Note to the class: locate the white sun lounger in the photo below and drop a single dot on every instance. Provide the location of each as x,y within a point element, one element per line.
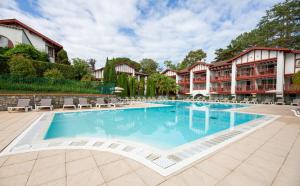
<point>267,101</point>
<point>279,102</point>
<point>245,100</point>
<point>253,101</point>
<point>68,102</point>
<point>295,102</point>
<point>45,103</point>
<point>83,103</point>
<point>22,104</point>
<point>100,102</point>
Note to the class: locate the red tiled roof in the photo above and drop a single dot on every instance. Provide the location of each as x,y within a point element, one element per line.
<point>24,26</point>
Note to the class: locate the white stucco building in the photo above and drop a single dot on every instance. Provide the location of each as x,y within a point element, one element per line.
<point>13,32</point>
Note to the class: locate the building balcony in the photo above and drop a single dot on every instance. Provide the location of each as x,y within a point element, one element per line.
<point>199,80</point>
<point>292,89</point>
<point>199,88</point>
<point>184,91</point>
<point>184,81</point>
<point>251,89</point>
<point>220,78</point>
<point>264,73</point>
<point>220,90</point>
<point>245,89</point>
<point>244,75</point>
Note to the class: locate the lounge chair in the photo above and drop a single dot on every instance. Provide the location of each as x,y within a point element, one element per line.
<point>296,112</point>
<point>100,102</point>
<point>115,102</point>
<point>22,104</point>
<point>295,102</point>
<point>224,100</point>
<point>253,101</point>
<point>45,103</point>
<point>233,100</point>
<point>267,101</point>
<point>83,103</point>
<point>245,100</point>
<point>279,102</point>
<point>68,102</point>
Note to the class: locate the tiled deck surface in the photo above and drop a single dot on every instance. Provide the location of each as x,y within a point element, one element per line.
<point>269,156</point>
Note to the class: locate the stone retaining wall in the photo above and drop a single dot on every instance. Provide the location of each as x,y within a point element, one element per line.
<point>8,100</point>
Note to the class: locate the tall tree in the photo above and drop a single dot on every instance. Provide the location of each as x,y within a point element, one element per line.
<point>191,58</point>
<point>81,68</point>
<point>112,78</point>
<point>92,63</point>
<point>149,66</point>
<point>278,28</point>
<point>62,57</point>
<point>169,64</point>
<point>106,71</point>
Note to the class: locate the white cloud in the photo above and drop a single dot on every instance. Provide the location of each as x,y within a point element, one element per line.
<point>93,29</point>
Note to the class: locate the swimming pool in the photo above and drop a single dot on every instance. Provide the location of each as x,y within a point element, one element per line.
<point>165,127</point>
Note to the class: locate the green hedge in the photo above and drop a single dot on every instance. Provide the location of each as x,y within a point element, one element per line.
<point>35,84</point>
<point>68,71</point>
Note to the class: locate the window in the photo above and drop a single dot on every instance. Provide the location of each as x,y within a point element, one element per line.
<point>50,51</point>
<point>297,62</point>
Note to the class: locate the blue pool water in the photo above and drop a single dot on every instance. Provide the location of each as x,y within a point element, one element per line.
<point>161,127</point>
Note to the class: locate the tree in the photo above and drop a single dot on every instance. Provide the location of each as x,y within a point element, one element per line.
<point>62,57</point>
<point>168,64</point>
<point>148,66</point>
<point>106,71</point>
<point>27,51</point>
<point>112,78</point>
<point>53,74</point>
<point>191,58</point>
<point>21,66</point>
<point>278,28</point>
<point>81,68</point>
<point>92,63</point>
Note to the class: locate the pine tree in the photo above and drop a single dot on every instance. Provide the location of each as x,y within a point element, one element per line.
<point>106,72</point>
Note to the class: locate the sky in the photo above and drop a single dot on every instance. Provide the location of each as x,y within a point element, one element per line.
<point>157,29</point>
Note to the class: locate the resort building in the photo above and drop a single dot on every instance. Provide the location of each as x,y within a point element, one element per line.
<point>258,71</point>
<point>123,67</point>
<point>13,32</point>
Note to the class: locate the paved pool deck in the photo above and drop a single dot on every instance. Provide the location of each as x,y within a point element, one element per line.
<point>268,156</point>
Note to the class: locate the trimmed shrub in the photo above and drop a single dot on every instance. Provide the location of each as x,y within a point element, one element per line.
<point>21,66</point>
<point>53,74</point>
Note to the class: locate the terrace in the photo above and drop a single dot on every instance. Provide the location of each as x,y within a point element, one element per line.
<point>269,155</point>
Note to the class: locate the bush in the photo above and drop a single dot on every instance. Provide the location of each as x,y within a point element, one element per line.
<point>4,67</point>
<point>81,68</point>
<point>21,66</point>
<point>62,57</point>
<point>296,78</point>
<point>53,74</point>
<point>67,70</point>
<point>27,51</point>
<point>88,77</point>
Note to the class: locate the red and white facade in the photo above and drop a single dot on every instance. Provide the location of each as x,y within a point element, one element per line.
<point>258,71</point>
<point>121,68</point>
<point>13,32</point>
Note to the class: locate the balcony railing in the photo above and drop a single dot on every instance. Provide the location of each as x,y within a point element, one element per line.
<point>266,72</point>
<point>221,78</point>
<point>247,89</point>
<point>290,88</point>
<point>224,90</point>
<point>184,81</point>
<point>244,74</point>
<point>199,88</point>
<point>263,88</point>
<point>184,91</point>
<point>199,80</point>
